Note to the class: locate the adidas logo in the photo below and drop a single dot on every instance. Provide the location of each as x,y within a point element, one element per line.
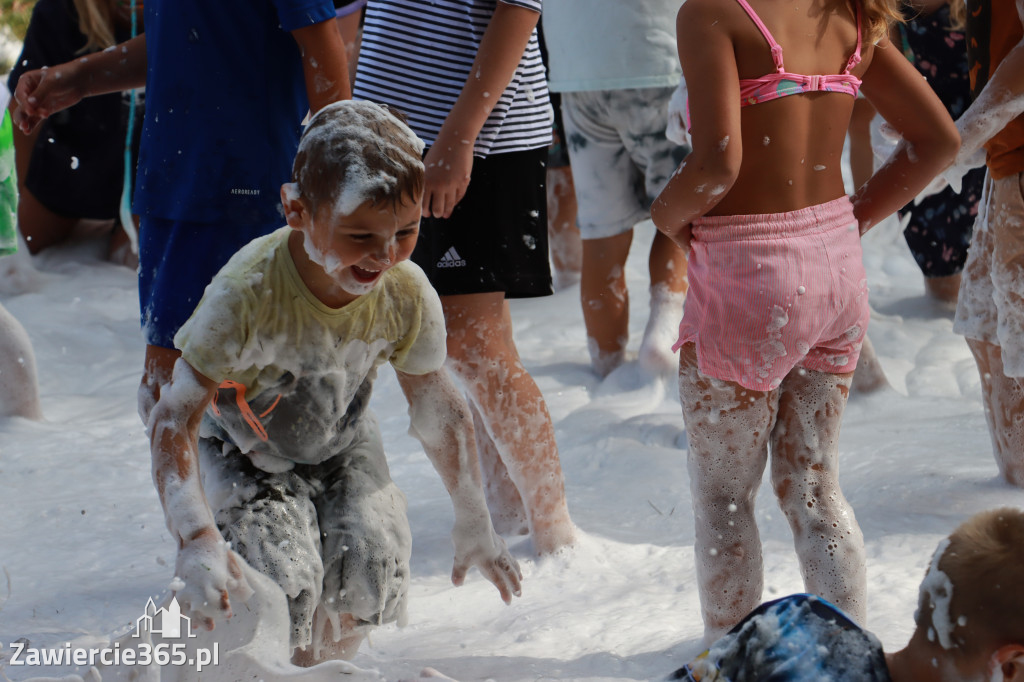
<point>451,259</point>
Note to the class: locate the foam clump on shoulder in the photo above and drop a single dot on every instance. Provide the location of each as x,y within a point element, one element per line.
<point>362,152</point>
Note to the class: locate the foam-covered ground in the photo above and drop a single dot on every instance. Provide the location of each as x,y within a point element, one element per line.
<point>83,543</point>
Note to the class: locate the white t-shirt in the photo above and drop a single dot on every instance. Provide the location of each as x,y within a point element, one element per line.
<point>416,56</point>
<point>611,44</point>
<point>306,369</point>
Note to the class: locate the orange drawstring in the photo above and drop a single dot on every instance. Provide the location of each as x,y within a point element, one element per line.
<point>247,414</point>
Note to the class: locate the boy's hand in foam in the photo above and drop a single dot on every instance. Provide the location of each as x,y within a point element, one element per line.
<point>483,548</point>
<point>208,575</point>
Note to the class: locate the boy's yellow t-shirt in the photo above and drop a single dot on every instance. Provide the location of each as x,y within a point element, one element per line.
<point>306,370</point>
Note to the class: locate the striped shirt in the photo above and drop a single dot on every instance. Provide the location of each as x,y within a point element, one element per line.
<point>417,55</point>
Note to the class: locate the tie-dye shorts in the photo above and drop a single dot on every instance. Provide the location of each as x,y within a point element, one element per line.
<point>621,159</point>
<point>990,307</point>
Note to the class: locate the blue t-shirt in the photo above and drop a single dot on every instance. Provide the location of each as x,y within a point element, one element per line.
<point>225,98</point>
<point>801,638</point>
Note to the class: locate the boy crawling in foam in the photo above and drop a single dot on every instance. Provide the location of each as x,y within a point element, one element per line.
<point>263,443</point>
<point>970,624</point>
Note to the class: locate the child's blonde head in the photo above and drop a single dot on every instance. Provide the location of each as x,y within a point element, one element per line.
<point>96,22</point>
<point>353,152</point>
<point>972,598</point>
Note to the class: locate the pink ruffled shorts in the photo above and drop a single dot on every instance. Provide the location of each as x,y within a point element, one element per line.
<point>775,291</point>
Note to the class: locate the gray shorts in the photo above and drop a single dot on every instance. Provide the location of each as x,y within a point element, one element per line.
<point>335,536</point>
<point>991,302</point>
<point>621,159</point>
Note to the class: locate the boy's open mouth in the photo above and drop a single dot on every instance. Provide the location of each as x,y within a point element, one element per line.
<point>366,276</point>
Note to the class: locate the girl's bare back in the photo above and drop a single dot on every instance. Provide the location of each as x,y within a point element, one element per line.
<point>790,148</point>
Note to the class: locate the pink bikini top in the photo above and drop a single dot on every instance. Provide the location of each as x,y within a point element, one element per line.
<point>781,83</point>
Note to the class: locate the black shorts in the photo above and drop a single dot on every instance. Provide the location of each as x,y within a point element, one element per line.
<point>77,165</point>
<point>497,236</point>
<point>939,228</point>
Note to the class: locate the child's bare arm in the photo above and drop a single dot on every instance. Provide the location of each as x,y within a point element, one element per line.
<point>930,139</point>
<point>450,159</point>
<point>441,421</point>
<point>324,64</point>
<point>709,171</point>
<point>43,92</point>
<point>205,571</point>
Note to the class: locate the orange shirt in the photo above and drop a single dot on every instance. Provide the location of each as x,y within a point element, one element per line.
<point>993,29</point>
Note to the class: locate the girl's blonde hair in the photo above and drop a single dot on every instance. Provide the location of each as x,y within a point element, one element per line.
<point>96,22</point>
<point>879,16</point>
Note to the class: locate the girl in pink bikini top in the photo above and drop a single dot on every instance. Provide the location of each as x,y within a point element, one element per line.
<point>782,83</point>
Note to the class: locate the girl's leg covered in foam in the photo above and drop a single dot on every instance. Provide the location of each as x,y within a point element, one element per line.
<point>805,475</point>
<point>727,427</point>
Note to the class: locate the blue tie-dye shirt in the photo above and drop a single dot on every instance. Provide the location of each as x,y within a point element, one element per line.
<point>801,638</point>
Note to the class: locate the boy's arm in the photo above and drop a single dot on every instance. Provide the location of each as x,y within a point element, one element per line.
<point>441,421</point>
<point>450,159</point>
<point>43,92</point>
<point>324,63</point>
<point>206,571</point>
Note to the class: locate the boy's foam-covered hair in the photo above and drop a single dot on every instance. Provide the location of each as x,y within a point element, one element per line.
<point>972,597</point>
<point>353,152</point>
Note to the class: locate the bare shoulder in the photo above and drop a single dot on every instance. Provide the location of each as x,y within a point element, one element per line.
<point>698,17</point>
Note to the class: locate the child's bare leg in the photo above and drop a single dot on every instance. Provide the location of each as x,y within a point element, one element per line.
<point>605,300</point>
<point>483,355</point>
<point>119,247</point>
<point>40,226</point>
<point>341,645</point>
<point>563,235</point>
<point>869,375</point>
<point>727,427</point>
<point>944,289</point>
<point>1003,398</point>
<point>667,264</point>
<point>157,369</point>
<point>503,500</point>
<point>805,475</point>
